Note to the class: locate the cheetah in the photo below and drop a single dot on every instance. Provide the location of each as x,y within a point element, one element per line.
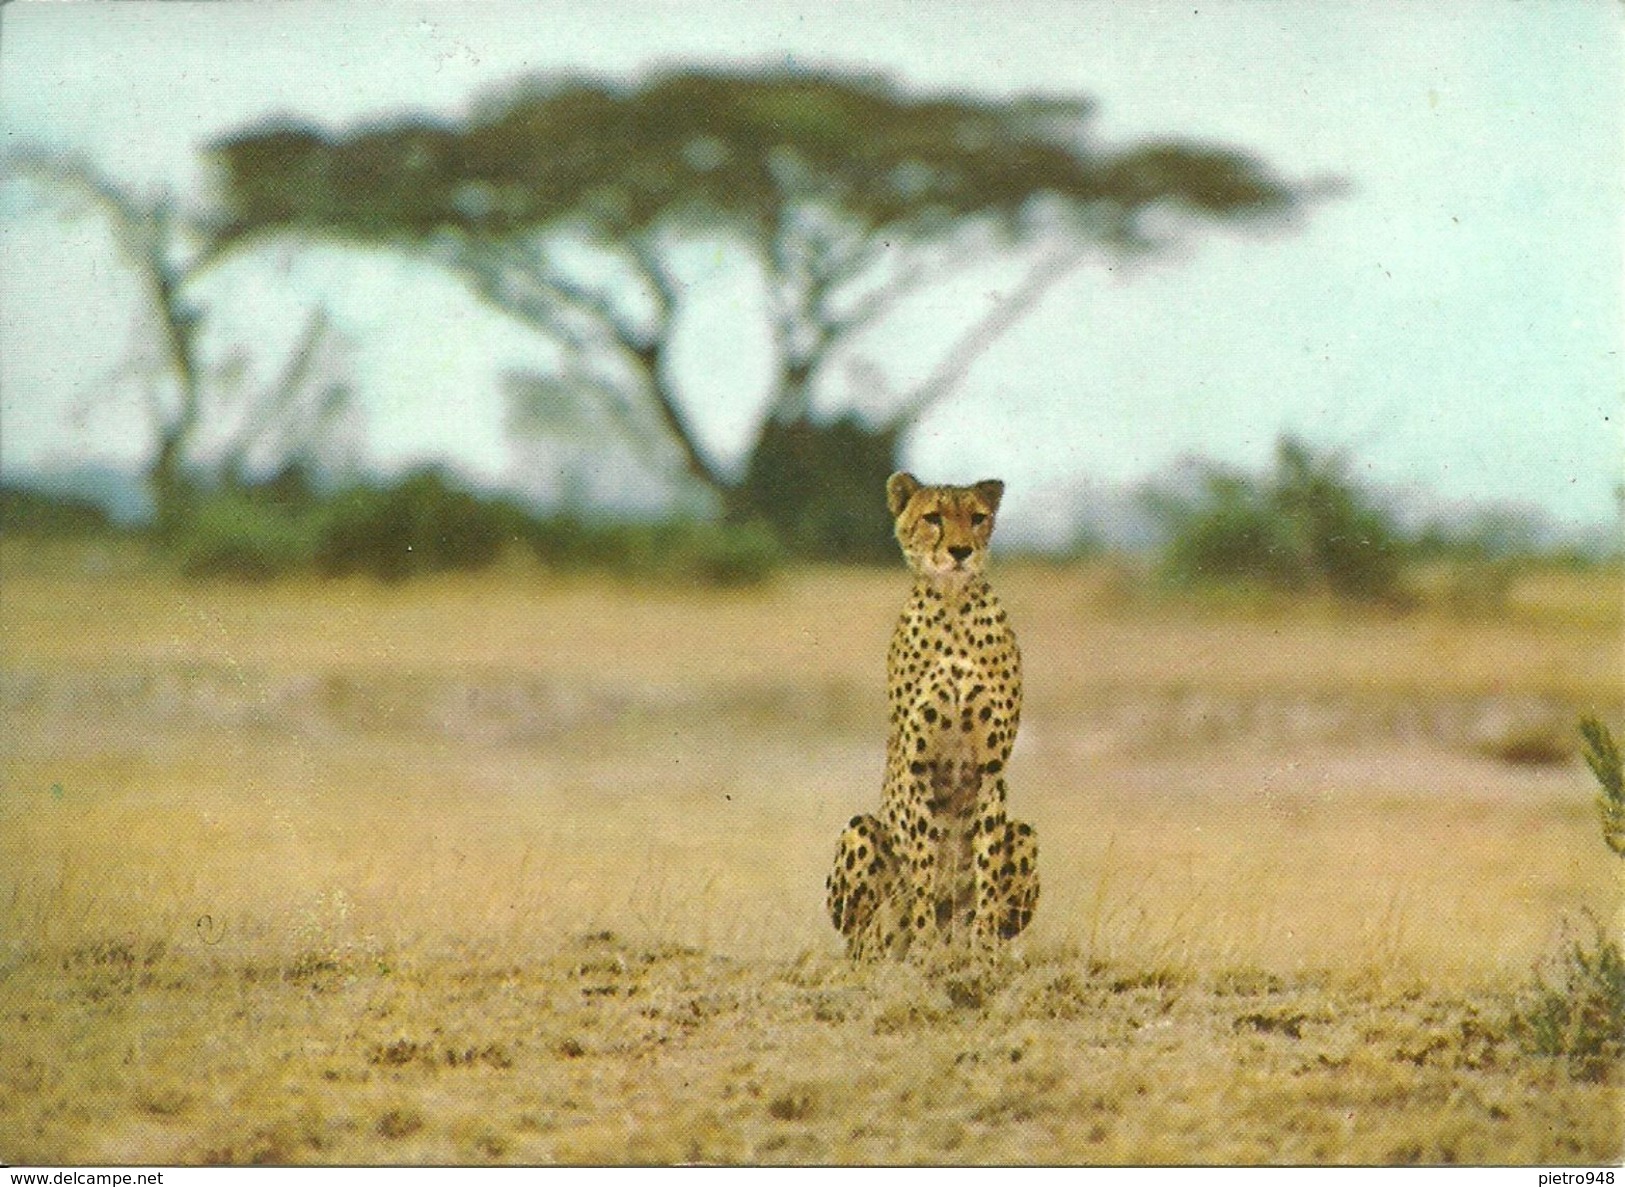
<point>942,866</point>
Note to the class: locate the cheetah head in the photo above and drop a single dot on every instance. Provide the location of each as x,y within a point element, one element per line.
<point>944,530</point>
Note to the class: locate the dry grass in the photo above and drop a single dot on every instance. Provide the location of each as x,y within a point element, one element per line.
<point>367,934</point>
<point>1563,636</point>
<point>607,1052</point>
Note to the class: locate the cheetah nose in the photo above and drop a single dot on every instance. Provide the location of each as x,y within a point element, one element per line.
<point>959,551</point>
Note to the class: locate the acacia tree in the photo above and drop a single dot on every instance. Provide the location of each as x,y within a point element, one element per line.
<point>170,252</point>
<point>565,205</point>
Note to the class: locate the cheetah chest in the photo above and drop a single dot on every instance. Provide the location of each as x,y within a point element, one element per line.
<point>961,716</point>
<point>957,687</point>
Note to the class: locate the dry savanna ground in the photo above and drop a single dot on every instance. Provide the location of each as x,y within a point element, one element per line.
<point>518,869</point>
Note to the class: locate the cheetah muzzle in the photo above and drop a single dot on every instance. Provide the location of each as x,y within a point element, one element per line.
<point>942,866</point>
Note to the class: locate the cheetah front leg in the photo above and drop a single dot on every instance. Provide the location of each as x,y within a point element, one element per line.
<point>989,843</point>
<point>915,926</point>
<point>1006,873</point>
<point>861,890</point>
<point>1018,879</point>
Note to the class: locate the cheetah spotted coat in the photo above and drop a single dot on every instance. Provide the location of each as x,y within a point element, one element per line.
<point>942,865</point>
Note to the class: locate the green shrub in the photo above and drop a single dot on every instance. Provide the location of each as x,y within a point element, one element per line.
<point>422,524</point>
<point>734,556</point>
<point>1473,588</point>
<point>665,550</point>
<point>26,512</point>
<point>426,524</point>
<point>235,535</point>
<point>1233,533</point>
<point>572,542</point>
<point>1305,527</point>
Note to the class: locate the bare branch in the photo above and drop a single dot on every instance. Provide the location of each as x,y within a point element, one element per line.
<point>145,229</point>
<point>910,279</point>
<point>557,305</point>
<point>272,409</point>
<point>146,233</point>
<point>998,321</point>
<point>506,275</point>
<point>666,287</point>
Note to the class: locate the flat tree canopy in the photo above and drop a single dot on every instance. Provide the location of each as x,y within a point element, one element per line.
<point>736,148</point>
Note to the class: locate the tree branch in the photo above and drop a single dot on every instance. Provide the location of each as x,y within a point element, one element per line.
<point>665,285</point>
<point>998,321</point>
<point>277,399</point>
<point>557,299</point>
<point>493,273</point>
<point>149,235</point>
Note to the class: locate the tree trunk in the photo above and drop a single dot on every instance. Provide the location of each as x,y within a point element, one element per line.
<point>174,494</point>
<point>819,485</point>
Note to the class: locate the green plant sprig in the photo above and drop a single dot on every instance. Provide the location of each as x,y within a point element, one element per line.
<point>1602,756</point>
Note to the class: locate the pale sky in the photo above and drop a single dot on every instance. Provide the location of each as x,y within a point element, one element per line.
<point>1454,323</point>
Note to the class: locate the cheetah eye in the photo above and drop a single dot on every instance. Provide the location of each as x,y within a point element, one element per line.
<point>933,518</point>
<point>977,519</point>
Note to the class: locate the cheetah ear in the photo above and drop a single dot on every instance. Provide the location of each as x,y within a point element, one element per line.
<point>991,492</point>
<point>900,488</point>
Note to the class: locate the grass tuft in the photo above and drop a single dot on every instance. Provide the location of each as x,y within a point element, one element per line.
<point>1576,1011</point>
